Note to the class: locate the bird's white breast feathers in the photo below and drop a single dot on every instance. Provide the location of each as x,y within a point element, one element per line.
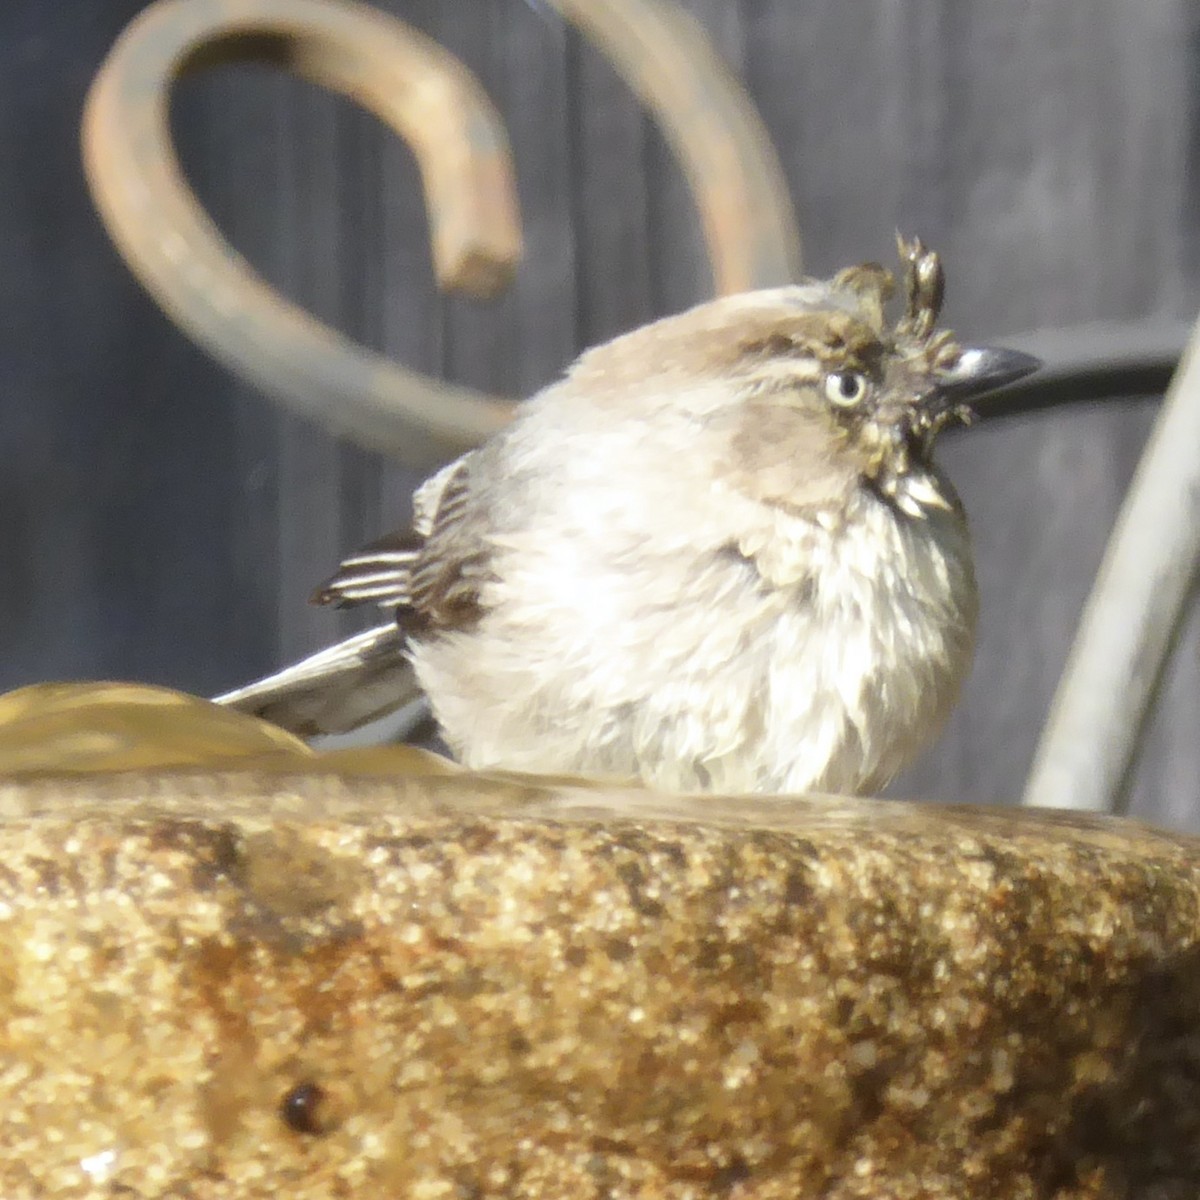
<point>791,656</point>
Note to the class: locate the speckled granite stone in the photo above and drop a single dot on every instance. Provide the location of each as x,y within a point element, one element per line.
<point>254,985</point>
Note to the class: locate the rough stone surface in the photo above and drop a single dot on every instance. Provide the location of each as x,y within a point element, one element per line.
<point>444,985</point>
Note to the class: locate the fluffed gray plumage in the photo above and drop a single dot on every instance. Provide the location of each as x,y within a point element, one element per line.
<point>716,555</point>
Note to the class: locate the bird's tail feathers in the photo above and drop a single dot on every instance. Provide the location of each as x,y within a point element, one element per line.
<point>335,690</point>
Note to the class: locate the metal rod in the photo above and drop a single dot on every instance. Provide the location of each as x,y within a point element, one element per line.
<point>436,105</point>
<point>664,55</point>
<point>410,83</point>
<point>1101,361</point>
<point>1128,626</point>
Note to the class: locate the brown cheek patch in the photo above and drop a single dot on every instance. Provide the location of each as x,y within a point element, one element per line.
<point>792,456</point>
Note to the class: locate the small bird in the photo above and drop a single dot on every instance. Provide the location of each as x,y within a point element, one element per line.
<point>716,556</point>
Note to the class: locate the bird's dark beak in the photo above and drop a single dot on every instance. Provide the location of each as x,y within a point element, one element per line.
<point>979,369</point>
<point>983,369</point>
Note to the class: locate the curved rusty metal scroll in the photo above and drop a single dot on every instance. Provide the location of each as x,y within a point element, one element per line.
<point>726,153</point>
<point>420,91</point>
<point>431,100</point>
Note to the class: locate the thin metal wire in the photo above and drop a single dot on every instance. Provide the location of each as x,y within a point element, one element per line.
<point>1102,361</point>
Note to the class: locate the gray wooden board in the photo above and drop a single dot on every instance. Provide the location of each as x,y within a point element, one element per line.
<point>162,522</point>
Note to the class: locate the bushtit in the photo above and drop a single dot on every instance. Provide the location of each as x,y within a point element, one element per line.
<point>717,555</point>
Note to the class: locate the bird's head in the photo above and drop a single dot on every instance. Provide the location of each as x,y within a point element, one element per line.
<point>812,390</point>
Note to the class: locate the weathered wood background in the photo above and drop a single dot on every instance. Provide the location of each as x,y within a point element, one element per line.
<point>158,521</point>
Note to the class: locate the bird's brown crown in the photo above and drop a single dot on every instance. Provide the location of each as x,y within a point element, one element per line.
<point>816,391</point>
<point>841,322</point>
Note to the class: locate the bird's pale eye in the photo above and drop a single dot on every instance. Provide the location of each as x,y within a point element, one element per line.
<point>846,388</point>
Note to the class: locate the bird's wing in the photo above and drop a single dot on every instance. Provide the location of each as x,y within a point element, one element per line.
<point>336,689</point>
<point>380,572</point>
<point>430,577</point>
